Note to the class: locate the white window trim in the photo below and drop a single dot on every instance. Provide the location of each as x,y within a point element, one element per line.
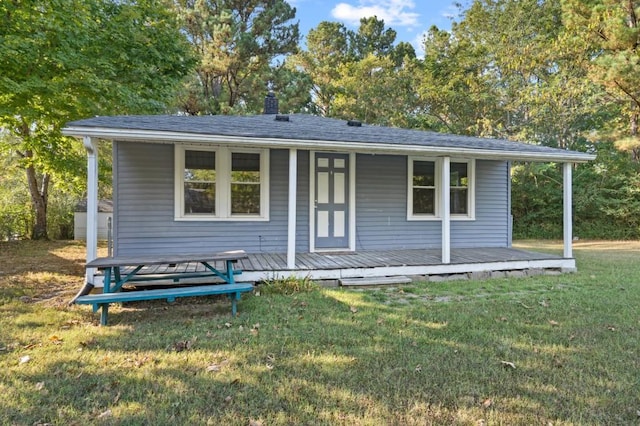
<point>471,201</point>
<point>223,184</point>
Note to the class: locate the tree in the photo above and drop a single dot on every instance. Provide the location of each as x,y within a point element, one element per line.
<point>508,70</point>
<point>372,38</point>
<point>611,31</point>
<point>338,61</point>
<point>68,59</point>
<point>236,42</point>
<point>327,49</point>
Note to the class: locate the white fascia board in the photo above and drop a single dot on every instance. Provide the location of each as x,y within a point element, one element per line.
<point>324,145</point>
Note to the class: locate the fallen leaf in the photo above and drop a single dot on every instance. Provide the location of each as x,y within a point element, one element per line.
<point>25,359</point>
<point>353,309</point>
<point>418,368</point>
<point>554,323</point>
<point>228,399</point>
<point>227,324</point>
<point>255,423</point>
<point>213,368</point>
<point>39,386</point>
<point>183,345</point>
<point>544,303</point>
<point>508,364</point>
<point>487,403</point>
<point>104,414</point>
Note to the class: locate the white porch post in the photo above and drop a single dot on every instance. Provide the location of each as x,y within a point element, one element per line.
<point>293,187</point>
<point>91,146</point>
<point>445,209</point>
<point>567,210</point>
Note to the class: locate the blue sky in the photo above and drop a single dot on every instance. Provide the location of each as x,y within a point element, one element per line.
<point>411,19</point>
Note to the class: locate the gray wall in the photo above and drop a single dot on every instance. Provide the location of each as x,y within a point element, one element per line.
<point>144,207</point>
<point>381,203</point>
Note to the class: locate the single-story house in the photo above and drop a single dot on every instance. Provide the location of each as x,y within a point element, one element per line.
<point>312,196</point>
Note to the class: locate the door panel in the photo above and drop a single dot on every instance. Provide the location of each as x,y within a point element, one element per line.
<point>331,201</point>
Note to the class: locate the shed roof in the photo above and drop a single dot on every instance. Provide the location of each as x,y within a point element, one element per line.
<point>309,132</point>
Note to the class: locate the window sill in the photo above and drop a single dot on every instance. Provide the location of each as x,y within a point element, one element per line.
<point>439,219</point>
<point>221,219</point>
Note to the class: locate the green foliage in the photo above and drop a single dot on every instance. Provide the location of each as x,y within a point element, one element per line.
<point>339,61</point>
<point>610,32</point>
<point>288,285</point>
<point>236,43</point>
<point>606,198</point>
<point>65,60</point>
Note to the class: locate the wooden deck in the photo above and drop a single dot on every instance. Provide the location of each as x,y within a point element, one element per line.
<point>337,265</point>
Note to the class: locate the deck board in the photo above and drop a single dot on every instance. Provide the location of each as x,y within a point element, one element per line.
<point>266,263</point>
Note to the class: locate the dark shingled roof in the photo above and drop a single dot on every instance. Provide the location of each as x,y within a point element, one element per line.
<point>302,127</point>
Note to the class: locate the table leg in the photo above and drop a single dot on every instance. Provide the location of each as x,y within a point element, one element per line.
<point>104,313</point>
<point>230,278</point>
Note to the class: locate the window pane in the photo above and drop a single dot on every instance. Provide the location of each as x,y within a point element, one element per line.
<point>458,201</point>
<point>245,167</point>
<point>199,197</point>
<point>423,201</point>
<point>424,173</point>
<point>200,166</point>
<point>200,160</point>
<point>245,198</point>
<point>459,185</point>
<point>459,174</point>
<point>199,182</point>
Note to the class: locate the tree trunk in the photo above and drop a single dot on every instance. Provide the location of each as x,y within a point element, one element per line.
<point>635,151</point>
<point>39,198</point>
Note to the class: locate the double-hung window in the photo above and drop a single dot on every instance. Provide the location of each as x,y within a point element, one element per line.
<point>221,183</point>
<point>425,186</point>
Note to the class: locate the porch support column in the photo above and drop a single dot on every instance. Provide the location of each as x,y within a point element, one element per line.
<point>91,145</point>
<point>567,210</point>
<point>293,188</point>
<point>445,209</point>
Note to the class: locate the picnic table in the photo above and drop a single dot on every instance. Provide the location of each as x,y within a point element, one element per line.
<point>121,270</point>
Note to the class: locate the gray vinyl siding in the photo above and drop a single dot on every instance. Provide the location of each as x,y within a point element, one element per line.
<point>381,206</point>
<point>144,208</point>
<point>144,194</point>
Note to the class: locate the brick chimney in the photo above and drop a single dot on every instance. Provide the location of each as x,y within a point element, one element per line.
<point>270,104</point>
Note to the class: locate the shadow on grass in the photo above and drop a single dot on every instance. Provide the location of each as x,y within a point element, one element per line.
<point>335,357</point>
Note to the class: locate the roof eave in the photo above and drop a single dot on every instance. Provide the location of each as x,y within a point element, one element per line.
<point>368,147</point>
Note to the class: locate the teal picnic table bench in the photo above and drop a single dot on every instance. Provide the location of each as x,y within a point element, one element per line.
<point>121,270</point>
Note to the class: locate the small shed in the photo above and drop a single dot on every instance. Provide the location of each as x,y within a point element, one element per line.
<point>105,214</point>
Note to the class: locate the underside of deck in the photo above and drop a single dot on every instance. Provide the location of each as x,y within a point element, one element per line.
<point>417,264</point>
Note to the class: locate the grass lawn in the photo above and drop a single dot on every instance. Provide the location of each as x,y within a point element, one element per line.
<point>561,350</point>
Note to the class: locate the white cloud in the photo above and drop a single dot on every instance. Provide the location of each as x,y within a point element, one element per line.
<point>393,12</point>
<point>418,44</point>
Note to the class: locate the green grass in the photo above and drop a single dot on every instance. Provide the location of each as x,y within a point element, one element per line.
<point>425,353</point>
